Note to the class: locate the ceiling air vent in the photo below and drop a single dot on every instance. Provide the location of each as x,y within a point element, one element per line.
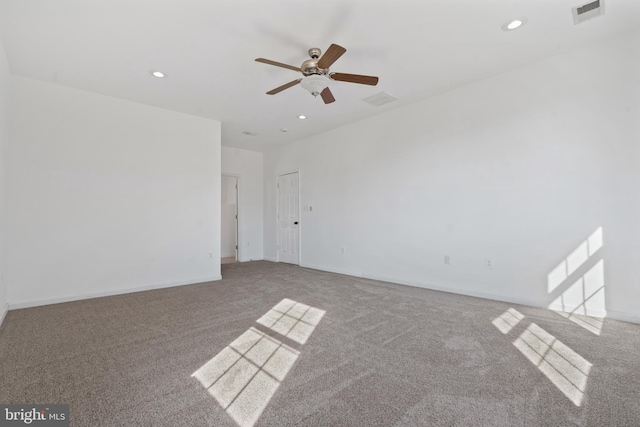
<point>587,11</point>
<point>380,99</point>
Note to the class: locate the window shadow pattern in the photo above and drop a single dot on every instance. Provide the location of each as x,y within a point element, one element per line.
<point>567,370</point>
<point>583,301</point>
<point>245,375</point>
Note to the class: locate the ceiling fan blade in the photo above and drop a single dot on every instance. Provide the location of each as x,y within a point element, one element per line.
<point>327,96</point>
<point>331,55</point>
<point>278,64</point>
<point>354,78</point>
<point>283,87</point>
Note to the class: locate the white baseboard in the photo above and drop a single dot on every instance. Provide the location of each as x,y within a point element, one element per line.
<point>625,317</point>
<point>247,259</point>
<point>463,291</point>
<point>36,303</point>
<point>592,313</point>
<point>459,291</point>
<point>233,254</point>
<point>615,315</point>
<point>339,271</point>
<point>3,313</point>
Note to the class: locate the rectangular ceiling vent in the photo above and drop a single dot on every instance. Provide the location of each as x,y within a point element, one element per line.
<point>587,11</point>
<point>380,99</point>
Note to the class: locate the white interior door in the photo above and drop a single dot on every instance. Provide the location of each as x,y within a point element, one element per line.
<point>288,218</point>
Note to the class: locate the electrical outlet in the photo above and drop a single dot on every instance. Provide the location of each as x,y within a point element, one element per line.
<point>447,260</point>
<point>210,254</point>
<point>488,263</point>
<point>342,251</point>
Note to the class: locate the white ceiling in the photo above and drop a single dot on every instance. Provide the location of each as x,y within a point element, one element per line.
<point>418,48</point>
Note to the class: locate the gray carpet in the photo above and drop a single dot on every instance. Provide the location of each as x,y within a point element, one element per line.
<point>278,345</point>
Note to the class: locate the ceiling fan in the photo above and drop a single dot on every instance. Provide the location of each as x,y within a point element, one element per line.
<point>316,73</point>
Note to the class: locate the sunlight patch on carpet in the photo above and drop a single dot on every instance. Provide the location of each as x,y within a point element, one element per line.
<point>565,368</point>
<point>245,375</point>
<point>508,320</point>
<point>292,319</point>
<point>591,324</point>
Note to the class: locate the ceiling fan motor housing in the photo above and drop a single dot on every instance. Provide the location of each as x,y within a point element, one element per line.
<point>310,67</point>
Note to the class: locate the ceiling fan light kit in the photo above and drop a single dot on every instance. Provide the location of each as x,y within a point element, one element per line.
<point>316,73</point>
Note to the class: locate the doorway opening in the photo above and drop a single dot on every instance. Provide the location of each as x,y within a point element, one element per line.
<point>229,220</point>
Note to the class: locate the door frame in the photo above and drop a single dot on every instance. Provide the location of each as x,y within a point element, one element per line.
<point>239,223</point>
<point>278,175</point>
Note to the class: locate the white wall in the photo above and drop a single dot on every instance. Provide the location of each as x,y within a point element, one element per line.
<point>5,85</point>
<point>521,168</point>
<point>108,196</point>
<point>247,166</point>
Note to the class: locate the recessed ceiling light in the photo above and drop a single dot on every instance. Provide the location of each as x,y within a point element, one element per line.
<point>158,74</point>
<point>513,24</point>
<point>301,117</point>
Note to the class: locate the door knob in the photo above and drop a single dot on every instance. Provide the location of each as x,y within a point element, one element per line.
<point>296,223</point>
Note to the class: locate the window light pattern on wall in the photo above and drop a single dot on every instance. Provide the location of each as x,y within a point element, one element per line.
<point>581,299</point>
